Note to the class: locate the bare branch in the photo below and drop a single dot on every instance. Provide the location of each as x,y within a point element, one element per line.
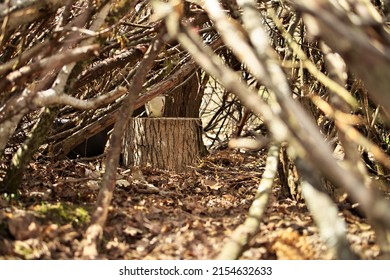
<point>50,97</point>
<point>242,235</point>
<point>46,65</point>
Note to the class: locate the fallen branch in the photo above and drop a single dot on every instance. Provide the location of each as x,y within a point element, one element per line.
<point>324,212</point>
<point>240,238</point>
<point>88,248</point>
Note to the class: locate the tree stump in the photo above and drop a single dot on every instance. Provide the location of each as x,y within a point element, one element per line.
<point>165,143</point>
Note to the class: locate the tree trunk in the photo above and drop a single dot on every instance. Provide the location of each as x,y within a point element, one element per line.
<point>185,101</point>
<point>165,143</point>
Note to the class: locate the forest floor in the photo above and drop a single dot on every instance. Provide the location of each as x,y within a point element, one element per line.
<point>161,215</point>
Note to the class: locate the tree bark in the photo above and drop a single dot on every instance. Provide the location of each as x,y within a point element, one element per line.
<point>185,101</point>
<point>165,143</point>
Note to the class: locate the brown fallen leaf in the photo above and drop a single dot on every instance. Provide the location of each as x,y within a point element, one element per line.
<point>212,184</point>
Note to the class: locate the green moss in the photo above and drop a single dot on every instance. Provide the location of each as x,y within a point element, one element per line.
<point>24,250</point>
<point>62,213</point>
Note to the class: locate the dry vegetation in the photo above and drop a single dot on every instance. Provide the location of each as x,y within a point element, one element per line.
<point>296,118</point>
